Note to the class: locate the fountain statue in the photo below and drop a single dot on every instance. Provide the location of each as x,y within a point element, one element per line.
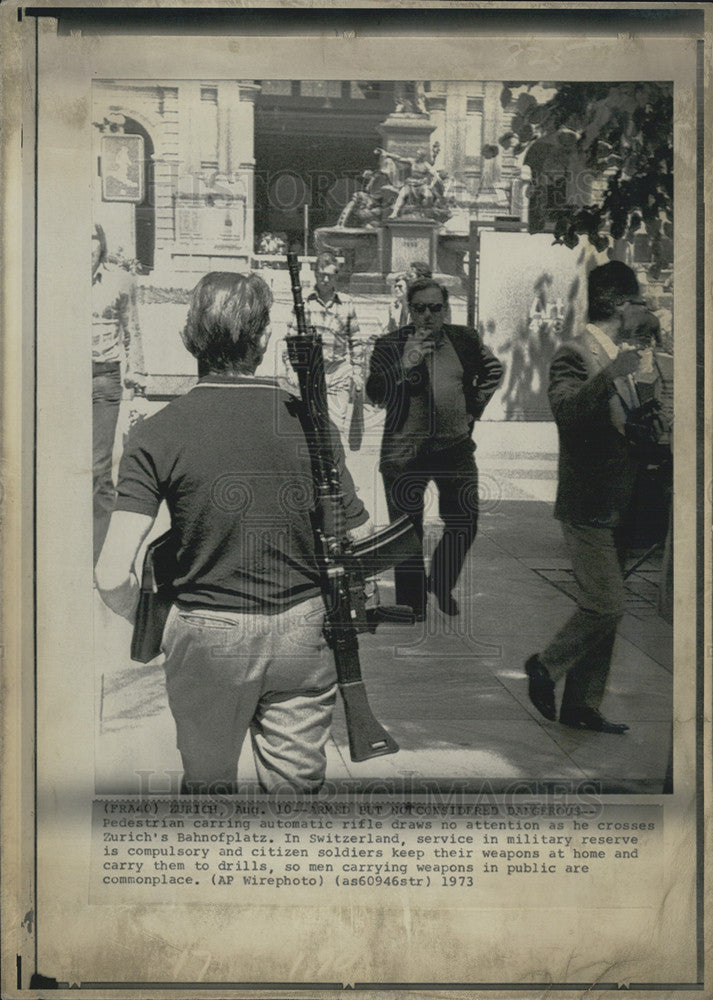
<point>397,213</point>
<point>401,186</point>
<point>410,98</point>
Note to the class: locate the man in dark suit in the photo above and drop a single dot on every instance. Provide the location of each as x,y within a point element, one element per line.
<point>593,398</point>
<point>434,380</point>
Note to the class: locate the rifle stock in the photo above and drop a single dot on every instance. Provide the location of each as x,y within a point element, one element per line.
<point>339,563</point>
<point>367,738</point>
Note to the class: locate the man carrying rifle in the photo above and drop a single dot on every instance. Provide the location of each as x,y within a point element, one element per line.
<point>243,642</point>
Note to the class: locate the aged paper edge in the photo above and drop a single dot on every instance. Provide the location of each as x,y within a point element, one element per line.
<point>15,409</point>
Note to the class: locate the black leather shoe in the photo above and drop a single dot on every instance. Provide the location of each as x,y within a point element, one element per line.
<point>541,689</point>
<point>446,601</point>
<point>590,718</point>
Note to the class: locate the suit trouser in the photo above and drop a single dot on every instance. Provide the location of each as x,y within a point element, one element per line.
<point>582,649</point>
<point>227,673</point>
<point>456,477</point>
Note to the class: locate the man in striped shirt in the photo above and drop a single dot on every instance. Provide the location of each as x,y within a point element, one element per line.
<point>334,318</point>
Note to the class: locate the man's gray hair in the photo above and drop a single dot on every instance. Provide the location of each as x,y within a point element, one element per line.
<point>227,315</point>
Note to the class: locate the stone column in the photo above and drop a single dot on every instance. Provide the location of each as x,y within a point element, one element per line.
<point>436,105</point>
<point>455,128</point>
<point>520,195</point>
<point>227,99</point>
<point>243,151</point>
<point>166,169</point>
<point>492,130</point>
<point>493,198</point>
<point>189,98</point>
<point>463,169</point>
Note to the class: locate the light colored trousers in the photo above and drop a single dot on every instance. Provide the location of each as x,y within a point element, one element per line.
<point>338,406</point>
<point>339,389</point>
<point>227,673</point>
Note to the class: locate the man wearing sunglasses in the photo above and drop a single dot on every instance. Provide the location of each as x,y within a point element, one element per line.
<point>434,379</point>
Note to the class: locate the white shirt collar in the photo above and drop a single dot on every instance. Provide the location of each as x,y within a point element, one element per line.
<point>604,340</point>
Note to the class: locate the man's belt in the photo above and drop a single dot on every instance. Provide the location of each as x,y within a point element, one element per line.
<point>105,367</point>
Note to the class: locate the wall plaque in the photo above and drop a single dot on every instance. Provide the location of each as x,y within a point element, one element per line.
<point>122,168</point>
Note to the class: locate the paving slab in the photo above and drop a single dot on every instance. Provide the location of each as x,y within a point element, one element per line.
<point>451,691</point>
<point>476,750</point>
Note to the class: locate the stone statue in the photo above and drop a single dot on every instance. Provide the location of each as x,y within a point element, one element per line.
<point>410,98</point>
<point>387,167</point>
<point>371,205</point>
<point>419,93</point>
<point>422,193</point>
<point>386,194</point>
<point>441,205</point>
<point>360,212</point>
<point>381,185</point>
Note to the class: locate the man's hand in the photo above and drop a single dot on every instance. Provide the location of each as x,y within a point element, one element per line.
<point>136,381</point>
<point>626,363</point>
<point>357,380</point>
<point>416,347</point>
<point>363,531</point>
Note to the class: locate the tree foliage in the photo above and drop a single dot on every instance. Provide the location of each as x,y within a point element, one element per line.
<point>618,133</point>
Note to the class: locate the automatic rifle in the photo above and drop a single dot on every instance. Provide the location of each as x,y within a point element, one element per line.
<point>344,565</point>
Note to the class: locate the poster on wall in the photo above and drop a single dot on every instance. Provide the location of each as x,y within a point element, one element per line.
<point>122,168</point>
<point>533,298</point>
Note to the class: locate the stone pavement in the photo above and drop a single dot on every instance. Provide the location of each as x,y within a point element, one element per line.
<point>452,692</point>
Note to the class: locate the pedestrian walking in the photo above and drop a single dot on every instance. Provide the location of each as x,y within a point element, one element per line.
<point>434,380</point>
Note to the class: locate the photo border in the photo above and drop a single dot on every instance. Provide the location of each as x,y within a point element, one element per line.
<point>703,500</point>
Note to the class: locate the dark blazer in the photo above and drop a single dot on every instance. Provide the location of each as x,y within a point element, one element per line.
<point>597,466</point>
<point>388,386</point>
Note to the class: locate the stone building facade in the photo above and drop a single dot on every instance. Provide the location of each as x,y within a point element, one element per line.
<point>226,161</point>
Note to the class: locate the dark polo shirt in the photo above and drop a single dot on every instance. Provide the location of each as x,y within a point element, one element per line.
<point>231,460</point>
